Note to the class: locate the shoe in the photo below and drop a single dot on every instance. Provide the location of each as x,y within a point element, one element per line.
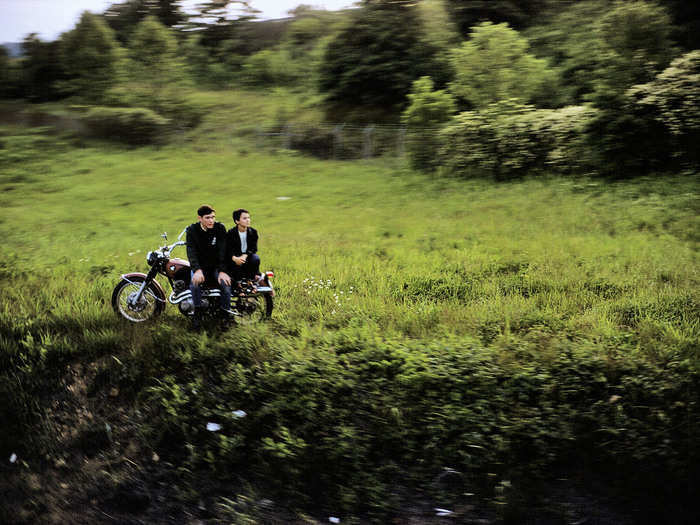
<point>229,312</point>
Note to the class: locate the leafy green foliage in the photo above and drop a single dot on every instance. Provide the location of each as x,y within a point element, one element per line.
<point>90,56</point>
<point>516,13</point>
<point>673,97</point>
<point>157,78</point>
<point>9,75</point>
<point>41,71</point>
<point>507,140</point>
<point>123,17</point>
<point>569,39</point>
<point>427,111</point>
<point>494,65</point>
<point>138,126</point>
<point>374,59</point>
<point>634,39</point>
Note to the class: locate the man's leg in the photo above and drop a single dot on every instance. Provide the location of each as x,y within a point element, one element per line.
<point>225,295</point>
<point>251,266</point>
<point>197,300</point>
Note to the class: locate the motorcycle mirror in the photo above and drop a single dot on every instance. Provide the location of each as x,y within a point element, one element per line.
<point>164,235</point>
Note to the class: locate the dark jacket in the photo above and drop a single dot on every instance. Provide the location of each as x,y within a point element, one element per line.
<point>233,242</point>
<point>206,250</point>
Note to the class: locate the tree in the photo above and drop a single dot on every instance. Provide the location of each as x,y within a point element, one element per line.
<point>494,64</point>
<point>515,13</point>
<point>440,30</point>
<point>686,18</point>
<point>123,17</point>
<point>635,41</point>
<point>158,76</point>
<point>8,75</point>
<point>428,110</point>
<point>373,60</point>
<point>41,73</point>
<point>90,56</point>
<point>673,97</point>
<point>634,45</point>
<point>569,39</point>
<point>217,20</point>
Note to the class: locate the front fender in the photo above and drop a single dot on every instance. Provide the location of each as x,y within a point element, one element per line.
<point>157,288</point>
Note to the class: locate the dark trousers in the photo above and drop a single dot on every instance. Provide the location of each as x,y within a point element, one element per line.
<point>247,270</point>
<point>211,280</point>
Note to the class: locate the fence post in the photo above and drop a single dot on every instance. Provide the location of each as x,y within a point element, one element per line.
<point>367,143</point>
<point>287,142</point>
<point>337,139</point>
<point>401,143</point>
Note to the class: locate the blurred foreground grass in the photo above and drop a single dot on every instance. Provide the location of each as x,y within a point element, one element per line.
<point>511,332</point>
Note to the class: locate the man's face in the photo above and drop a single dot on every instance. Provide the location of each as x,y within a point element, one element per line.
<point>244,220</point>
<point>207,221</point>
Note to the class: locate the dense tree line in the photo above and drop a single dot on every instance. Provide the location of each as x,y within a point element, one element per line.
<point>501,63</point>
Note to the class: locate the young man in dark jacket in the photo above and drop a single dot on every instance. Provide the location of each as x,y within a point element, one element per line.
<point>206,251</point>
<point>242,247</point>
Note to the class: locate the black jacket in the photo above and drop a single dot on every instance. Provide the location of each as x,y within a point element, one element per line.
<point>233,242</point>
<point>206,250</point>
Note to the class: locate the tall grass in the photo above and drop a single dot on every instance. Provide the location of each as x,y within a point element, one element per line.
<point>422,282</point>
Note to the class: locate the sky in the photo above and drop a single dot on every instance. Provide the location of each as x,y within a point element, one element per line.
<point>50,18</point>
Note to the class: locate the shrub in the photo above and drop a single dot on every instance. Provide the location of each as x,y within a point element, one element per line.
<point>129,125</point>
<point>427,111</point>
<point>508,140</point>
<point>494,65</point>
<point>673,98</point>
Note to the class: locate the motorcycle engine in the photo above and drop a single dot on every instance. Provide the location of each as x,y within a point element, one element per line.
<point>187,306</point>
<point>179,286</point>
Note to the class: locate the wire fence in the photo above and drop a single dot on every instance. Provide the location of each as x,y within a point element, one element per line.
<point>341,141</point>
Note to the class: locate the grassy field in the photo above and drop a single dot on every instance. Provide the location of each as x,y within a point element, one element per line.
<point>513,333</point>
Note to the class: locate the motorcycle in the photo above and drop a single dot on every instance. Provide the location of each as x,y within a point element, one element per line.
<point>139,296</point>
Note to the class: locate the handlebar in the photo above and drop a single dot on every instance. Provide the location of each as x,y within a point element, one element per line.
<point>166,250</point>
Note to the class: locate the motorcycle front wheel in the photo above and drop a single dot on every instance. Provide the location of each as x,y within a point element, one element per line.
<point>254,308</point>
<point>147,307</point>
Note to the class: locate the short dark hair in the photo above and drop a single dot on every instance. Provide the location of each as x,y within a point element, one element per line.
<point>237,214</point>
<point>205,209</point>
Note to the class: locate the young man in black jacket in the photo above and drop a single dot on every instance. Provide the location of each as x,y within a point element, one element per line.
<point>242,247</point>
<point>206,251</point>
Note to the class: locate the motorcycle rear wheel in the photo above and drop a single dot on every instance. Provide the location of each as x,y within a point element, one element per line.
<point>253,308</point>
<point>147,308</point>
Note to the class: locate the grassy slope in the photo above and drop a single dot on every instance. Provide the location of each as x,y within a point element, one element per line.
<point>509,277</point>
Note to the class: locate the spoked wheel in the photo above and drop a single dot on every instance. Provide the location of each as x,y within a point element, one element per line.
<point>125,304</point>
<point>254,308</point>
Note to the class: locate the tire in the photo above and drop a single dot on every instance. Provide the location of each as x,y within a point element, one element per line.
<point>150,306</point>
<point>254,308</point>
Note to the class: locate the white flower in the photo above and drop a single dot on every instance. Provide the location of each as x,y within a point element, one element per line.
<point>213,427</point>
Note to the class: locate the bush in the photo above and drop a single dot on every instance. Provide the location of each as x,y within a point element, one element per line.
<point>272,67</point>
<point>508,140</point>
<point>427,111</point>
<point>137,126</point>
<point>673,98</point>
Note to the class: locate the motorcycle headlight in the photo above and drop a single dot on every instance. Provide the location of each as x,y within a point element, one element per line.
<point>151,258</point>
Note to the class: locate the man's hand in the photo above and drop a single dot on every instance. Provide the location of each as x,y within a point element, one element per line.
<point>198,277</point>
<point>240,260</point>
<point>224,279</point>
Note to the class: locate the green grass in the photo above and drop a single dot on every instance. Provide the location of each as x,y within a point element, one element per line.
<point>411,302</point>
<point>425,257</point>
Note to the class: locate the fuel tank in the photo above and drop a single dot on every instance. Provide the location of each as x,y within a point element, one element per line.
<point>178,269</point>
